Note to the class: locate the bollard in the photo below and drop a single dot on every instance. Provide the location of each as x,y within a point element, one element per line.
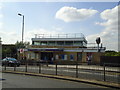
<point>104,72</point>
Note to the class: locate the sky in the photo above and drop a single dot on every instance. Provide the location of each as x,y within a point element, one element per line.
<point>93,19</point>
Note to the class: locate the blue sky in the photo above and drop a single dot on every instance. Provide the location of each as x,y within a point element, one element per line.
<point>42,15</point>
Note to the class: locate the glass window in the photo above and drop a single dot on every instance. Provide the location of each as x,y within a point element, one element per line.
<point>79,56</point>
<point>43,42</point>
<point>32,55</point>
<point>65,57</point>
<point>60,42</point>
<point>84,44</point>
<point>69,43</point>
<point>51,43</point>
<point>36,43</point>
<point>57,57</point>
<point>62,56</point>
<point>71,57</point>
<point>78,43</point>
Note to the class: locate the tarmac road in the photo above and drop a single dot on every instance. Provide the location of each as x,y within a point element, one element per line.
<point>25,81</point>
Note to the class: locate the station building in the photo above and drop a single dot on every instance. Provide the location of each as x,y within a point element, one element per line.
<point>61,47</point>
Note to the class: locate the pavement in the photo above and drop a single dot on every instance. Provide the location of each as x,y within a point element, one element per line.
<point>95,82</point>
<point>90,67</point>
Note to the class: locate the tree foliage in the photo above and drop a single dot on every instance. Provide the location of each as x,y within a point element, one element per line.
<point>10,50</point>
<point>21,45</point>
<point>112,53</point>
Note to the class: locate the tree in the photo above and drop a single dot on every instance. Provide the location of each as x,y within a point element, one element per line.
<point>21,45</point>
<point>112,53</point>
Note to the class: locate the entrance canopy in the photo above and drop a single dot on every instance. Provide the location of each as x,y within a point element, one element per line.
<point>45,49</point>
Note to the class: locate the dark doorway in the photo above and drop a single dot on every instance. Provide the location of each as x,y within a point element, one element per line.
<point>46,56</point>
<point>79,56</point>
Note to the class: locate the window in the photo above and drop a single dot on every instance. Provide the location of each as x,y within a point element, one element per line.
<point>36,43</point>
<point>60,42</point>
<point>79,43</point>
<point>56,57</point>
<point>71,57</point>
<point>32,55</point>
<point>84,44</point>
<point>43,42</point>
<point>51,43</point>
<point>79,56</point>
<point>69,43</point>
<point>63,57</point>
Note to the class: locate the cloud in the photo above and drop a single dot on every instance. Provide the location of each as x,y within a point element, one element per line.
<point>14,36</point>
<point>70,14</point>
<point>9,38</point>
<point>1,24</point>
<point>109,35</point>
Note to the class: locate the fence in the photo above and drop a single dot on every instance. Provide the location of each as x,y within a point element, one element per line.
<point>110,59</point>
<point>107,72</point>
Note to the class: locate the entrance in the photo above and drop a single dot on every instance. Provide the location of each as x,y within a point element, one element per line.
<point>47,56</point>
<point>79,56</point>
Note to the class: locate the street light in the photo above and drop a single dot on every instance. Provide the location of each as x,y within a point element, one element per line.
<point>22,26</point>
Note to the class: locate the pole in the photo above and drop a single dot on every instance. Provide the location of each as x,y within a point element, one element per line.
<point>39,67</point>
<point>104,72</point>
<point>26,66</point>
<point>23,29</point>
<point>98,48</point>
<point>77,69</point>
<point>56,68</point>
<point>14,67</point>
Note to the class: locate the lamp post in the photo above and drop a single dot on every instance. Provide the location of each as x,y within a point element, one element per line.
<point>0,50</point>
<point>22,34</point>
<point>22,26</point>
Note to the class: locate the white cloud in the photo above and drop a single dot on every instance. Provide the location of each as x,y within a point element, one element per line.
<point>1,24</point>
<point>69,14</point>
<point>109,35</point>
<point>9,38</point>
<point>12,37</point>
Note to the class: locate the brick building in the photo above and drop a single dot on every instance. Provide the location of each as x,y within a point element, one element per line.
<point>65,47</point>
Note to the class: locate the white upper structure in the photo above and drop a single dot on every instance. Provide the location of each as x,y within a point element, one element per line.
<point>60,39</point>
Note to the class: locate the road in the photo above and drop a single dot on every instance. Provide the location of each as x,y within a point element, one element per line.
<point>25,81</point>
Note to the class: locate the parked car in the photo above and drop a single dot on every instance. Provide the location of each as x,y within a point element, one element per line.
<point>10,62</point>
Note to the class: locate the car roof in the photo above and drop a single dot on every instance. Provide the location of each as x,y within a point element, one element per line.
<point>9,59</point>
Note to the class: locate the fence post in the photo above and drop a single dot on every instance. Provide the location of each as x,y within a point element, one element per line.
<point>76,69</point>
<point>56,68</point>
<point>5,65</point>
<point>39,67</point>
<point>26,67</point>
<point>14,67</point>
<point>104,72</point>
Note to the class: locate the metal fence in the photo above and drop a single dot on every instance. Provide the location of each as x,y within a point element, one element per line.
<point>108,72</point>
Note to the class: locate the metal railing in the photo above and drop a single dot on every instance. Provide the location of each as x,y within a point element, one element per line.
<point>108,72</point>
<point>75,35</point>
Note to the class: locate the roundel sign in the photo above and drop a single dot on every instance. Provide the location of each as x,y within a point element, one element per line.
<point>98,40</point>
<point>21,50</point>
